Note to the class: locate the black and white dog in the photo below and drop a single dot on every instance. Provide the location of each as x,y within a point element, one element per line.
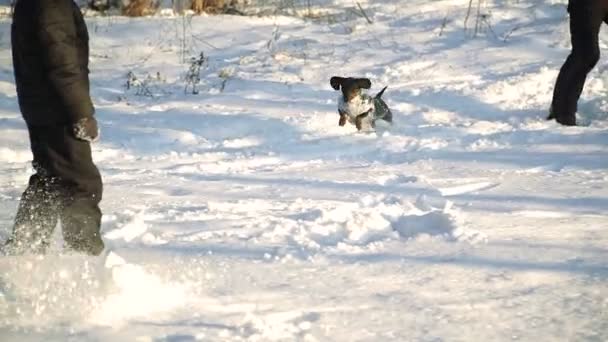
<point>359,108</point>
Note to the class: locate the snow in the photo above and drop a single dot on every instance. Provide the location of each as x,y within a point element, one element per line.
<point>244,213</point>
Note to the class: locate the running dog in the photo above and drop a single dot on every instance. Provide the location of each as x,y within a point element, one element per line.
<point>358,108</point>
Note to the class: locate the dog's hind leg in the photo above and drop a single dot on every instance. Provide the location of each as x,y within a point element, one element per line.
<point>388,117</point>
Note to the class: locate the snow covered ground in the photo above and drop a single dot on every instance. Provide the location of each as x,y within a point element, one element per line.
<point>244,213</point>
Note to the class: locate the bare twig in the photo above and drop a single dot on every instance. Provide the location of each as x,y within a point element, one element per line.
<point>183,40</point>
<point>478,19</point>
<point>193,77</point>
<point>204,42</point>
<point>444,23</point>
<point>223,85</point>
<point>510,33</point>
<point>276,33</point>
<point>489,25</point>
<point>364,14</point>
<point>142,88</point>
<point>309,5</point>
<point>466,19</point>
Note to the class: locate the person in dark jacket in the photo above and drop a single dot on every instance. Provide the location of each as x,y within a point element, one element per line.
<point>50,57</point>
<point>586,18</point>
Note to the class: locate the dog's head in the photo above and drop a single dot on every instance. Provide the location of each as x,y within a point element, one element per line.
<point>351,87</point>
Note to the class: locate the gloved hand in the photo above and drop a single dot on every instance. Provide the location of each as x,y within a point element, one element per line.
<point>86,129</point>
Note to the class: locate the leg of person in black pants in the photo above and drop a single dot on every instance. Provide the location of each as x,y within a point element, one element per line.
<point>36,217</point>
<point>66,186</point>
<point>586,18</point>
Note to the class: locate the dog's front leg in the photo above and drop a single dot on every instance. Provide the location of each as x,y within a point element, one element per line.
<point>343,118</point>
<point>359,119</point>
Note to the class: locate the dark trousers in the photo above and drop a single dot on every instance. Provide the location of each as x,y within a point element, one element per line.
<point>66,186</point>
<point>586,18</point>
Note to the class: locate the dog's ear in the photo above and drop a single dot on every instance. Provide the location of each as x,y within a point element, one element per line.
<point>336,82</point>
<point>364,83</point>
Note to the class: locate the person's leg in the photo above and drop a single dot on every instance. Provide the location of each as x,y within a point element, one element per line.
<point>39,206</point>
<point>586,17</point>
<point>80,189</point>
<point>36,218</point>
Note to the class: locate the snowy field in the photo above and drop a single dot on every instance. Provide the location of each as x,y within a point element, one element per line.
<point>244,213</point>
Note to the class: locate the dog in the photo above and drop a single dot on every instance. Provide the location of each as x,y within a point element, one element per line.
<point>358,108</point>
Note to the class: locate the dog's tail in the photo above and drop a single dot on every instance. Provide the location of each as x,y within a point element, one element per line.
<point>379,95</point>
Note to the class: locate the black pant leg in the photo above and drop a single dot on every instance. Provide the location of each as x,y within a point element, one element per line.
<point>586,17</point>
<point>36,217</point>
<point>40,203</point>
<point>81,215</point>
<point>81,190</point>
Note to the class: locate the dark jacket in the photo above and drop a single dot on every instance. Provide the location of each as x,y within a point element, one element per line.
<point>50,46</point>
